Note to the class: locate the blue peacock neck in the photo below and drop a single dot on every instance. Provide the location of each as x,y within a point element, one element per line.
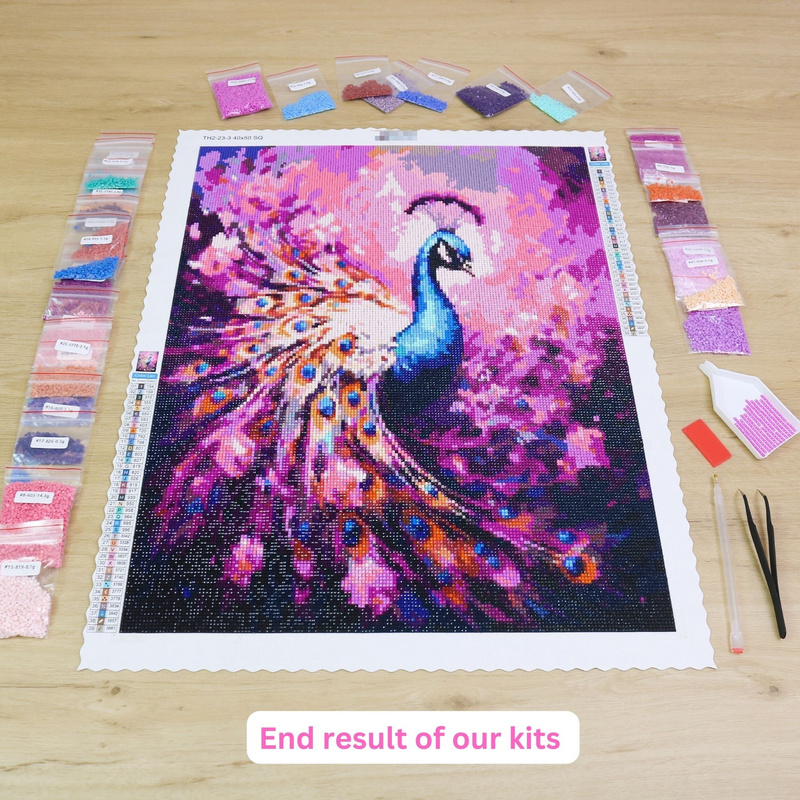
<point>430,350</point>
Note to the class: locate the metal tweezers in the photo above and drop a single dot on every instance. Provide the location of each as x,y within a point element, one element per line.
<point>770,569</point>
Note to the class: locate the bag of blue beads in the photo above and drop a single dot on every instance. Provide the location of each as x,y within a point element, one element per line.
<point>413,86</point>
<point>569,95</point>
<point>93,247</point>
<point>300,92</point>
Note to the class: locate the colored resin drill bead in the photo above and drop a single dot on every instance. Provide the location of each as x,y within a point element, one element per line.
<point>424,100</point>
<point>718,331</point>
<point>241,99</point>
<point>385,104</point>
<point>112,182</point>
<point>100,270</point>
<point>24,607</point>
<point>312,103</point>
<point>665,214</point>
<point>488,102</point>
<point>553,108</point>
<point>370,88</point>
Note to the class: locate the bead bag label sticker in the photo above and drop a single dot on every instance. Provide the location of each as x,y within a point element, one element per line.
<point>81,349</point>
<point>300,85</point>
<point>365,72</point>
<point>100,222</point>
<point>658,145</point>
<point>40,498</point>
<point>106,191</point>
<point>20,568</point>
<point>397,83</point>
<point>123,154</point>
<point>241,81</point>
<point>50,442</point>
<point>497,90</point>
<point>707,261</point>
<point>87,240</point>
<point>117,162</point>
<point>441,79</point>
<point>570,90</point>
<point>669,167</point>
<point>698,250</point>
<point>60,410</point>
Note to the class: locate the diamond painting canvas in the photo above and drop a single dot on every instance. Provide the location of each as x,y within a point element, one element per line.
<point>395,397</point>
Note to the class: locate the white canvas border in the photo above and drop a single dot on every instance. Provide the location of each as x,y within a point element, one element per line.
<point>687,647</point>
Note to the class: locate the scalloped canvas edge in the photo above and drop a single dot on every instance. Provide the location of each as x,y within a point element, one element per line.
<point>701,657</point>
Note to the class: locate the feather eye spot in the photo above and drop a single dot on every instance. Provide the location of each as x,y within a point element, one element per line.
<point>326,407</point>
<point>262,302</point>
<point>195,506</point>
<point>294,274</point>
<point>271,371</point>
<point>301,326</point>
<point>266,427</point>
<point>304,531</point>
<point>346,345</point>
<point>202,368</point>
<point>254,348</point>
<point>431,490</point>
<point>574,566</point>
<point>418,528</point>
<point>370,428</point>
<point>218,395</point>
<point>353,398</point>
<point>306,298</point>
<point>351,533</point>
<point>308,372</point>
<point>341,283</point>
<point>506,512</point>
<point>566,537</point>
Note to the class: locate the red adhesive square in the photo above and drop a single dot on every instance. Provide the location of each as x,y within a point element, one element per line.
<point>706,441</point>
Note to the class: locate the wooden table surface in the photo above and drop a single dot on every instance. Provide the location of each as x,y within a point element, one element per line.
<point>726,74</point>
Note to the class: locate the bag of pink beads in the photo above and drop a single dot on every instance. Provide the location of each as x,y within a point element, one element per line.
<point>36,493</point>
<point>239,90</point>
<point>80,302</point>
<point>26,597</point>
<point>77,346</point>
<point>42,539</point>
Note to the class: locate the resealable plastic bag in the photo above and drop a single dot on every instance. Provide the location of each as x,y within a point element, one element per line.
<point>667,215</point>
<point>720,330</point>
<point>574,90</point>
<point>362,76</point>
<point>675,188</point>
<point>26,597</point>
<point>78,346</point>
<point>657,160</point>
<point>35,493</point>
<point>49,441</point>
<point>449,77</point>
<point>107,205</point>
<point>123,145</point>
<point>701,274</point>
<point>41,539</point>
<point>496,92</point>
<point>62,395</point>
<point>412,86</point>
<point>80,302</point>
<point>300,92</point>
<point>93,247</point>
<point>656,136</point>
<point>239,90</point>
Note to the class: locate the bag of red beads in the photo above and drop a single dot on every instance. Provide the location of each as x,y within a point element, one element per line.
<point>362,76</point>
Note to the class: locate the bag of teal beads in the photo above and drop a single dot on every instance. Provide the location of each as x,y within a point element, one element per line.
<point>569,95</point>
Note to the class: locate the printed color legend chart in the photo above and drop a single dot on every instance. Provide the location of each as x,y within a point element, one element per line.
<point>123,501</point>
<point>621,267</point>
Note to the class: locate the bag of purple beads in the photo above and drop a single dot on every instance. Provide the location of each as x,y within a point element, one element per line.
<point>496,92</point>
<point>80,302</point>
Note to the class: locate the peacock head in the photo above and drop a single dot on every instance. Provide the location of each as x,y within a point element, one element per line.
<point>447,251</point>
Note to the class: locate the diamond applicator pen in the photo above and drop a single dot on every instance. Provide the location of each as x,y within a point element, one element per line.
<point>737,640</point>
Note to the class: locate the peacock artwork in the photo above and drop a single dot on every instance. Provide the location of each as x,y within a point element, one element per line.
<point>394,397</point>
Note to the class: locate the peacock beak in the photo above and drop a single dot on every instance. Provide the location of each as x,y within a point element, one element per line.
<point>467,267</point>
